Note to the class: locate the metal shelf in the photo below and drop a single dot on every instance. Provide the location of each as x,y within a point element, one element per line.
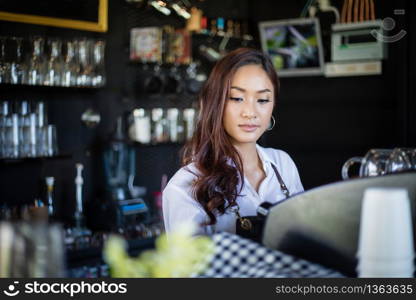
<point>34,159</point>
<point>11,86</point>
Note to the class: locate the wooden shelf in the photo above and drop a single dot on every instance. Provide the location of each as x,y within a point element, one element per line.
<point>353,68</point>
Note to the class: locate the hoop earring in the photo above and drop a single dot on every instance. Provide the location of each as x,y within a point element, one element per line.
<point>273,124</point>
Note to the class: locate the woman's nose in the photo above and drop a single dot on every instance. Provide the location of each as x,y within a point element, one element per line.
<point>248,111</point>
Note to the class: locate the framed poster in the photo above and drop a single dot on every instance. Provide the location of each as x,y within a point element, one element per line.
<point>146,44</point>
<point>179,49</point>
<point>91,15</point>
<point>294,45</point>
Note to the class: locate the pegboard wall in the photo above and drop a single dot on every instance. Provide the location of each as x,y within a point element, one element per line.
<point>138,74</point>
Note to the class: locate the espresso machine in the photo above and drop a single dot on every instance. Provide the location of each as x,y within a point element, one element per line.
<point>119,160</point>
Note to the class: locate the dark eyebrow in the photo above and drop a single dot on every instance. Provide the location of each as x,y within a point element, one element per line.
<point>243,90</point>
<point>264,91</point>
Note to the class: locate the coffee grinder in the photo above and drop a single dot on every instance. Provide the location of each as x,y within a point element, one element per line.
<point>120,169</point>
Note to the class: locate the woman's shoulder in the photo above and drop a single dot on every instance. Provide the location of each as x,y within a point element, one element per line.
<point>286,167</point>
<point>276,155</point>
<point>184,177</point>
<point>179,190</point>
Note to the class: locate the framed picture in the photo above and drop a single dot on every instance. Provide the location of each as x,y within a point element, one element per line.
<point>294,45</point>
<point>91,15</point>
<point>179,49</point>
<point>146,44</point>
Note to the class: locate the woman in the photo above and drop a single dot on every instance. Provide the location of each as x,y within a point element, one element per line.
<point>225,172</point>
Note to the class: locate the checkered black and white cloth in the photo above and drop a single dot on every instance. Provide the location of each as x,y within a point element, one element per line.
<point>239,257</point>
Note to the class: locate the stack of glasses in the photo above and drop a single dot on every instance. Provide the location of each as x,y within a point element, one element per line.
<point>25,131</point>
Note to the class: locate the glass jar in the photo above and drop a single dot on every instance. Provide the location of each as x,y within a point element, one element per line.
<point>160,132</point>
<point>140,128</point>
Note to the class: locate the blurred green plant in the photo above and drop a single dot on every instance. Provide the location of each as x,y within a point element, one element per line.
<point>180,255</point>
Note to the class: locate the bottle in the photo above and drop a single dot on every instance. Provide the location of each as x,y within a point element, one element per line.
<point>230,27</point>
<point>220,26</point>
<point>204,25</point>
<point>79,181</point>
<point>194,22</point>
<point>213,27</point>
<point>50,182</point>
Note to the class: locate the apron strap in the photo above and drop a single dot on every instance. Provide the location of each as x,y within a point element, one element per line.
<point>281,182</point>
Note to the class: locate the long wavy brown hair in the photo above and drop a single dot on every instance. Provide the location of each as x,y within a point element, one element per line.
<point>220,167</point>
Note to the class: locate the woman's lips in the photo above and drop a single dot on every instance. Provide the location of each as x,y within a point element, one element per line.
<point>248,128</point>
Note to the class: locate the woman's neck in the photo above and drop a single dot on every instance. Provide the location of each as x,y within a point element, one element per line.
<point>253,169</point>
<point>249,156</point>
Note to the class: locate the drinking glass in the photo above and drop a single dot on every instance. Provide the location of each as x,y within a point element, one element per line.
<point>4,119</point>
<point>22,109</point>
<point>98,73</point>
<point>12,137</point>
<point>4,61</point>
<point>41,116</point>
<point>374,163</point>
<point>18,65</point>
<point>54,65</point>
<point>85,62</point>
<point>49,141</point>
<point>70,67</point>
<point>29,137</point>
<point>402,159</point>
<point>36,62</point>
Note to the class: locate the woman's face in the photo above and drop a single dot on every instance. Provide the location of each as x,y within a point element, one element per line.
<point>249,106</point>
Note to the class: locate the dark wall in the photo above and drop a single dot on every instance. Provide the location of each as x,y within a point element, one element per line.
<point>321,122</point>
<point>324,121</point>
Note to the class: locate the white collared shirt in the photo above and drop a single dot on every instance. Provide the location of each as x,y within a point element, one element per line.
<point>179,205</point>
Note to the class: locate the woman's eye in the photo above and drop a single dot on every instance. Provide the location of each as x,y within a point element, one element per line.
<point>263,100</point>
<point>236,99</point>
